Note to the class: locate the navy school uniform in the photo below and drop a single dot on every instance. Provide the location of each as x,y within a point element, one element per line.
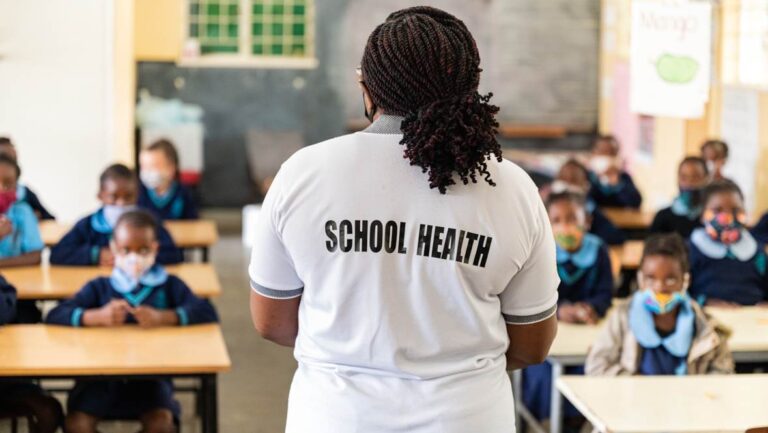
<point>623,194</point>
<point>585,276</point>
<point>130,398</point>
<point>602,227</point>
<point>734,273</point>
<point>176,204</point>
<point>7,302</point>
<point>23,193</point>
<point>760,231</point>
<point>82,244</point>
<point>678,218</point>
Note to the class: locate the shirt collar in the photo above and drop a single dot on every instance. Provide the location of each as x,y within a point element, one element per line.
<point>124,283</point>
<point>99,223</point>
<point>679,208</point>
<point>585,256</point>
<point>161,200</point>
<point>743,250</point>
<point>386,124</point>
<point>643,328</point>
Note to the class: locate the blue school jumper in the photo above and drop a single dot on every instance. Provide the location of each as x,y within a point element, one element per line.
<point>23,193</point>
<point>7,302</point>
<point>25,237</point>
<point>760,231</point>
<point>602,227</point>
<point>130,398</point>
<point>678,218</point>
<point>585,276</point>
<point>623,194</point>
<point>176,204</point>
<point>662,354</point>
<point>734,273</point>
<point>81,246</point>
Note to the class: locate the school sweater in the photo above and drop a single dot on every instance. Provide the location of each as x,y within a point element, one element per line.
<point>176,204</point>
<point>156,289</point>
<point>624,194</point>
<point>7,301</point>
<point>667,221</point>
<point>603,228</point>
<point>82,244</point>
<point>760,231</point>
<point>586,275</point>
<point>735,273</point>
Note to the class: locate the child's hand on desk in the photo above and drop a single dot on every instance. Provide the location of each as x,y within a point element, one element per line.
<point>586,313</point>
<point>106,258</point>
<point>6,227</point>
<point>111,314</point>
<point>568,313</point>
<point>721,303</point>
<point>149,317</point>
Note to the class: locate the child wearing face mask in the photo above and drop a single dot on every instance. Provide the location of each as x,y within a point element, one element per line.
<point>684,215</point>
<point>574,176</point>
<point>23,192</point>
<point>610,184</point>
<point>584,294</point>
<point>88,242</point>
<point>715,153</point>
<point>20,241</point>
<point>160,191</point>
<point>728,265</point>
<point>661,330</point>
<point>139,291</point>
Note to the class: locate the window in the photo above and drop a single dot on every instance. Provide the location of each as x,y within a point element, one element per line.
<point>266,33</point>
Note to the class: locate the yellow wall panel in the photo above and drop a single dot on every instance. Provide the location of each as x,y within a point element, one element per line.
<point>159,26</point>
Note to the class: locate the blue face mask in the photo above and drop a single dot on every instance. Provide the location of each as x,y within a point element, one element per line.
<point>113,212</point>
<point>661,303</point>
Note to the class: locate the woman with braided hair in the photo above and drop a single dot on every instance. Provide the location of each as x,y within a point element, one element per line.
<point>408,264</point>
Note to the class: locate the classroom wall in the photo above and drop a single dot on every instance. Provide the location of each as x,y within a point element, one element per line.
<point>157,29</point>
<point>59,97</point>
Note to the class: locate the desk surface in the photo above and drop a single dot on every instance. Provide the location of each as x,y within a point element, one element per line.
<point>670,404</point>
<point>629,254</point>
<point>630,219</point>
<point>42,351</point>
<point>186,234</point>
<point>59,282</point>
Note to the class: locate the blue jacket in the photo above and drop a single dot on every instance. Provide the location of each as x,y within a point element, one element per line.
<point>586,275</point>
<point>760,231</point>
<point>603,228</point>
<point>164,293</point>
<point>176,204</point>
<point>81,246</point>
<point>7,302</point>
<point>625,194</point>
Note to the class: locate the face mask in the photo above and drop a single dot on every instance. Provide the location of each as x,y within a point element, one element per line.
<point>601,163</point>
<point>568,236</point>
<point>113,212</point>
<point>691,197</point>
<point>560,186</point>
<point>153,179</point>
<point>7,198</point>
<point>134,264</point>
<point>711,167</point>
<point>723,226</point>
<point>661,303</point>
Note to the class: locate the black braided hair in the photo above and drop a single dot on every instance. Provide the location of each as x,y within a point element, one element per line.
<point>422,63</point>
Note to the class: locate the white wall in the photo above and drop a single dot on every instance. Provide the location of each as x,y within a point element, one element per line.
<point>58,97</point>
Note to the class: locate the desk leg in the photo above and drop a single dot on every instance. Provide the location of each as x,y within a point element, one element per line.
<point>556,404</point>
<point>205,254</point>
<point>517,395</point>
<point>210,415</point>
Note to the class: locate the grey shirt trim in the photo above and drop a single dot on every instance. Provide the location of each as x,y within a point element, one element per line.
<point>526,320</point>
<point>276,294</point>
<point>385,124</point>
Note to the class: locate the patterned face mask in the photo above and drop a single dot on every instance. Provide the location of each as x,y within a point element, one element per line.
<point>568,236</point>
<point>661,303</point>
<point>724,227</point>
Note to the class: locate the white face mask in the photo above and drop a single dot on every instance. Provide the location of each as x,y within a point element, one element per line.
<point>113,212</point>
<point>711,167</point>
<point>601,163</point>
<point>153,179</point>
<point>134,264</point>
<point>560,186</point>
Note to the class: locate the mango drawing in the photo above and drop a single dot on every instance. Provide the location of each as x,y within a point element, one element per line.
<point>676,69</point>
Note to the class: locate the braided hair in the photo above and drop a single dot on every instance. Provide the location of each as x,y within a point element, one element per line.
<point>423,64</point>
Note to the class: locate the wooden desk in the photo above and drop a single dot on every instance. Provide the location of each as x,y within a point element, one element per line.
<point>670,403</point>
<point>186,234</point>
<point>41,351</point>
<point>749,327</point>
<point>629,219</point>
<point>631,254</point>
<point>616,254</point>
<point>47,282</point>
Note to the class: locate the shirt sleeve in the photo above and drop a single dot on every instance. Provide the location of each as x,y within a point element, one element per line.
<point>272,271</point>
<point>531,295</point>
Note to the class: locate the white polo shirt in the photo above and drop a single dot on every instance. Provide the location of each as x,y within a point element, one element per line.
<point>405,292</point>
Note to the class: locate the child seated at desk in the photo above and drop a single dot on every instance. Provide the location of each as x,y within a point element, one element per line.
<point>585,290</point>
<point>660,331</point>
<point>138,292</point>
<point>573,176</point>
<point>20,241</point>
<point>715,153</point>
<point>610,184</point>
<point>160,190</point>
<point>728,265</point>
<point>88,242</point>
<point>22,398</point>
<point>23,192</point>
<point>685,213</point>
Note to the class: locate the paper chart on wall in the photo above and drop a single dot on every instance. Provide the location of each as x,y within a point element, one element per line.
<point>740,128</point>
